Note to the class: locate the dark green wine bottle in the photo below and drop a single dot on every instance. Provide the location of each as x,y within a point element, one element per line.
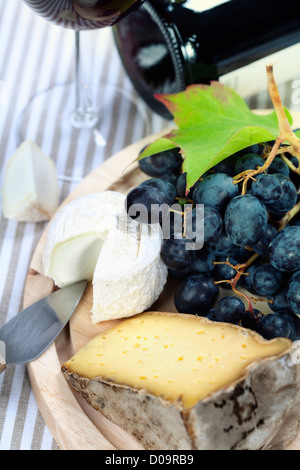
<point>167,45</point>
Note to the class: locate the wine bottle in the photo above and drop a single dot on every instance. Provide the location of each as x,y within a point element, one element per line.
<point>167,45</point>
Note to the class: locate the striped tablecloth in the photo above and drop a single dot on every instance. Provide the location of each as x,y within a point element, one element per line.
<point>35,56</point>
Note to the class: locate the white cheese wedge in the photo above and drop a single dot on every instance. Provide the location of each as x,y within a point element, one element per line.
<point>92,238</point>
<point>129,275</point>
<point>30,191</point>
<point>76,235</point>
<point>182,382</point>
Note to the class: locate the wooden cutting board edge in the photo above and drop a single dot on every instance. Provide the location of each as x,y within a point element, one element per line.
<point>72,422</point>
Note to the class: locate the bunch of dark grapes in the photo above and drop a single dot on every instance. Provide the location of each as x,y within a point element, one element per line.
<point>247,255</point>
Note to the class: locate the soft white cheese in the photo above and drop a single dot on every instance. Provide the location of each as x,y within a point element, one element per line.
<point>30,191</point>
<point>92,238</point>
<point>129,275</point>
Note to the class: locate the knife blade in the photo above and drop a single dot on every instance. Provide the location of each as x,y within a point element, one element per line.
<point>26,336</point>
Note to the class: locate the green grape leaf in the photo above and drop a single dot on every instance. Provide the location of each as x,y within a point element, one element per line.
<point>212,123</point>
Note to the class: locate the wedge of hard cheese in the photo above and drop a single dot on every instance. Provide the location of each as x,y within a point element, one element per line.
<point>177,381</point>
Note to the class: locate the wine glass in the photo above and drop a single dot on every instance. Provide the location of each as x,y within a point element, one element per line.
<point>87,117</point>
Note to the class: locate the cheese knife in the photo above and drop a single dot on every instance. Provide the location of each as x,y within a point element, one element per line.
<point>26,336</point>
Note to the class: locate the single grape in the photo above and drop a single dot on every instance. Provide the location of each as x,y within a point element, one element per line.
<point>162,185</point>
<point>175,254</point>
<point>162,163</point>
<point>229,309</point>
<point>266,187</point>
<point>278,301</point>
<point>245,220</point>
<point>203,262</point>
<point>262,245</point>
<point>149,199</point>
<point>284,249</point>
<point>221,246</point>
<point>181,187</point>
<point>250,161</point>
<point>279,166</point>
<point>211,222</point>
<point>215,190</point>
<point>249,321</point>
<point>274,325</point>
<point>266,280</point>
<point>294,322</point>
<point>288,196</point>
<point>196,295</point>
<point>293,292</point>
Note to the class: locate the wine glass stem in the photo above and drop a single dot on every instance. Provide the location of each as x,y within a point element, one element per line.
<point>85,113</point>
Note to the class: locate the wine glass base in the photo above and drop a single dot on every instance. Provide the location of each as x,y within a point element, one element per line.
<point>78,144</point>
<point>84,119</point>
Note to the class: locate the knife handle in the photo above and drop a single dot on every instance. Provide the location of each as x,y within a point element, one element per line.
<point>2,357</point>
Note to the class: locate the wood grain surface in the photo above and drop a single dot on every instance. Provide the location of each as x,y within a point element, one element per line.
<point>72,422</point>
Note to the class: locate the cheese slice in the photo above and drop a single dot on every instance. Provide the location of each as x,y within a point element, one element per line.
<point>30,190</point>
<point>76,235</point>
<point>174,356</point>
<point>129,275</point>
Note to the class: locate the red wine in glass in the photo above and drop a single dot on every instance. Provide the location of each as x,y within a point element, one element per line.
<point>84,14</point>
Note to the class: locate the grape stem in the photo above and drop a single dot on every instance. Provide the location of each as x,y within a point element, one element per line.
<point>250,306</point>
<point>285,131</point>
<point>290,164</point>
<point>285,134</point>
<point>288,149</point>
<point>184,214</point>
<point>237,278</point>
<point>288,216</point>
<point>240,268</point>
<point>236,267</point>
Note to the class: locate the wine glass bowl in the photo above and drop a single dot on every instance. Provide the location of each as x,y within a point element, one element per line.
<point>84,14</point>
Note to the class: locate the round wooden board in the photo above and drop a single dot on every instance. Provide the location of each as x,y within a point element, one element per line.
<point>73,423</point>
